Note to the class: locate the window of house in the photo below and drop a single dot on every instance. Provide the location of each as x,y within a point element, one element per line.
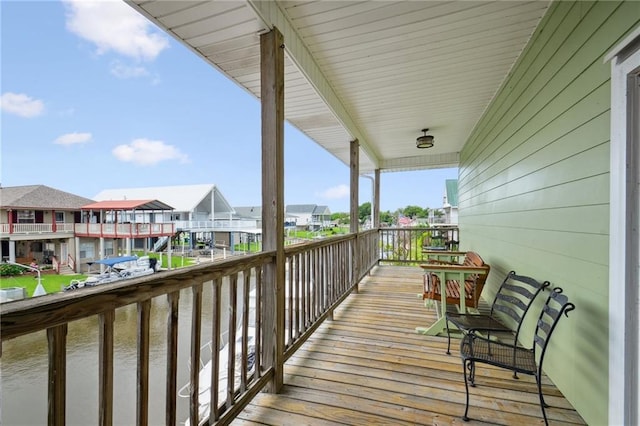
<point>59,217</point>
<point>87,251</point>
<point>26,216</point>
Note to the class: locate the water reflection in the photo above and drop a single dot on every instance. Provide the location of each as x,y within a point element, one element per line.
<point>23,366</point>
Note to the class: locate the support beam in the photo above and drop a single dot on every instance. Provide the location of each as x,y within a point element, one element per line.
<point>354,217</point>
<point>376,200</point>
<point>272,96</point>
<point>271,15</point>
<point>354,186</point>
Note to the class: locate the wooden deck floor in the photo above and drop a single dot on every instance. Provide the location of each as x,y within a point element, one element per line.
<point>369,366</point>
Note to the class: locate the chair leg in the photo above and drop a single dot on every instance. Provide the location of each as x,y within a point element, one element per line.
<point>542,403</point>
<point>466,387</point>
<point>471,367</point>
<point>448,336</point>
<point>515,373</point>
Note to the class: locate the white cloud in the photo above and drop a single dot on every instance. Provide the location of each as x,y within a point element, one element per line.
<point>146,152</point>
<point>123,71</point>
<point>114,26</point>
<point>336,192</point>
<point>21,104</point>
<point>73,138</point>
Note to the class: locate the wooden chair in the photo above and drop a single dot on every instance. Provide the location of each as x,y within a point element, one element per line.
<point>474,279</point>
<point>513,300</point>
<point>475,349</point>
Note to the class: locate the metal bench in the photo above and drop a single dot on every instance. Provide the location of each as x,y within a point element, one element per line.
<point>511,304</point>
<point>475,349</point>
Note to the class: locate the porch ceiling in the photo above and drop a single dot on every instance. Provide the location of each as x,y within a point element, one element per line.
<point>377,71</point>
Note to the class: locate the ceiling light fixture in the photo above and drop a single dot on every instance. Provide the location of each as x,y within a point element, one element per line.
<point>424,141</point>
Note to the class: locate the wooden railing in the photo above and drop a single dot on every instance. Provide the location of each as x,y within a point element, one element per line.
<point>54,312</point>
<point>36,228</point>
<point>124,230</point>
<point>405,245</point>
<point>55,264</point>
<point>71,262</point>
<point>318,277</point>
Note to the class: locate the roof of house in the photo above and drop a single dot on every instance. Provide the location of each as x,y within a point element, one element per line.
<point>322,210</point>
<point>40,197</point>
<point>128,205</point>
<point>300,208</point>
<point>253,212</point>
<point>307,209</point>
<point>451,188</point>
<point>183,198</point>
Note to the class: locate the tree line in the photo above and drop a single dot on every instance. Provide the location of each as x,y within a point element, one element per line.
<point>387,217</point>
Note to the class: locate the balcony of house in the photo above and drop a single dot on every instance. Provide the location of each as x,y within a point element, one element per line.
<point>216,225</point>
<point>36,229</point>
<point>124,230</point>
<point>344,350</point>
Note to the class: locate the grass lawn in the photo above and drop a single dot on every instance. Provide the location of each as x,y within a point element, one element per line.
<point>51,283</point>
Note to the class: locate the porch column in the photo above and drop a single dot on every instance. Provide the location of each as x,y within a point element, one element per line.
<point>101,251</point>
<point>272,95</point>
<point>76,252</point>
<point>12,251</point>
<point>376,200</point>
<point>354,163</point>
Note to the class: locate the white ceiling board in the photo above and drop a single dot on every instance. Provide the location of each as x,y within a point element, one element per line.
<point>379,71</point>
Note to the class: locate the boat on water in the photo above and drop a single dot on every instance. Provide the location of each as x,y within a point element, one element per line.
<point>117,269</point>
<point>204,376</point>
<point>206,364</point>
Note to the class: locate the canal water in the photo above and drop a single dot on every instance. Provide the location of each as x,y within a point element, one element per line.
<point>24,368</point>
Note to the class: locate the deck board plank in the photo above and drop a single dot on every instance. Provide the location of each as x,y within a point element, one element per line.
<point>369,366</point>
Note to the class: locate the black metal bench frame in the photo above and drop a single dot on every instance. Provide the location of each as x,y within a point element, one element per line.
<point>513,300</point>
<point>475,349</point>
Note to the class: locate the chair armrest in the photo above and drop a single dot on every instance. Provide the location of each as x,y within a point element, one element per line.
<point>440,262</point>
<point>473,336</point>
<point>444,252</point>
<point>459,269</point>
<point>444,256</point>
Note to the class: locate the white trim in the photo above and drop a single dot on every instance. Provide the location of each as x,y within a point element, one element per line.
<point>624,336</point>
<point>622,45</point>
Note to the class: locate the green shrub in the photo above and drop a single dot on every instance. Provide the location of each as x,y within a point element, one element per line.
<point>8,270</point>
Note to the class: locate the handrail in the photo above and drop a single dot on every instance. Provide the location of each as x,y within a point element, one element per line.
<point>55,264</point>
<point>71,262</point>
<point>37,314</point>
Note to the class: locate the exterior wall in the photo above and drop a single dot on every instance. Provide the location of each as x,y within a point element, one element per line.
<point>451,215</point>
<point>534,185</point>
<point>303,219</point>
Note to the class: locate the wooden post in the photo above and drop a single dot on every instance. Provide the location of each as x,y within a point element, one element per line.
<point>172,356</point>
<point>376,200</point>
<point>57,339</point>
<point>142,379</point>
<point>272,95</point>
<point>105,362</point>
<point>353,203</point>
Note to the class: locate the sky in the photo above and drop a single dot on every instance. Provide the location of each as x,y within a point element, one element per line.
<point>95,97</point>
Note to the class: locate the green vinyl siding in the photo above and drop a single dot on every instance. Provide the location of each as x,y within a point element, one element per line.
<point>533,184</point>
